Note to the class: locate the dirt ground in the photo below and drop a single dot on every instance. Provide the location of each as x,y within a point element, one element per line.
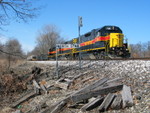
<point>17,81</point>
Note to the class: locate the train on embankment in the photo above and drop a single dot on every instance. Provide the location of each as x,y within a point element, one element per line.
<point>101,43</point>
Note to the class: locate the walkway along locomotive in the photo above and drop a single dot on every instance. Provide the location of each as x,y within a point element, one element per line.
<point>100,43</point>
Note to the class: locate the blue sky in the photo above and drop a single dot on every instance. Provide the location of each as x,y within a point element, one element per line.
<point>132,16</point>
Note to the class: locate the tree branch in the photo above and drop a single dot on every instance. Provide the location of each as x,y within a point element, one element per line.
<point>12,54</point>
<point>18,9</point>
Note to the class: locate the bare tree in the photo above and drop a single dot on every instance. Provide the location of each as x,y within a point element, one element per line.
<point>148,48</point>
<point>1,48</point>
<point>19,10</point>
<point>47,38</point>
<point>13,50</point>
<point>140,50</point>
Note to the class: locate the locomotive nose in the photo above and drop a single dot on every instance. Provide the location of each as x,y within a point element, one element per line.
<point>116,40</point>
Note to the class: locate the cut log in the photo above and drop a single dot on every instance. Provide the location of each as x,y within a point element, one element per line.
<point>107,102</point>
<point>93,104</point>
<point>127,99</point>
<point>25,98</point>
<point>92,93</point>
<point>117,102</point>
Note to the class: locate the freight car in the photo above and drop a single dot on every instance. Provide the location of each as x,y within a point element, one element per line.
<point>101,43</point>
<point>32,58</point>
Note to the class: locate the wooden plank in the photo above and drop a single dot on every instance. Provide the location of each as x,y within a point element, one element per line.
<point>60,80</point>
<point>93,104</point>
<point>41,108</point>
<point>43,88</point>
<point>127,100</point>
<point>59,107</point>
<point>115,80</point>
<point>81,74</point>
<point>25,98</point>
<point>92,86</point>
<point>68,80</point>
<point>106,103</point>
<point>46,110</point>
<point>62,85</point>
<point>102,91</point>
<point>108,85</point>
<point>36,84</point>
<point>55,105</point>
<point>87,79</point>
<point>117,102</point>
<point>88,92</point>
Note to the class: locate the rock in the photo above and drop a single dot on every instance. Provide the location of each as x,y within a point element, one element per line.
<point>137,96</point>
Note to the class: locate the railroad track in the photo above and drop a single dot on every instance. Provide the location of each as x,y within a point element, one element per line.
<point>113,59</point>
<point>147,58</point>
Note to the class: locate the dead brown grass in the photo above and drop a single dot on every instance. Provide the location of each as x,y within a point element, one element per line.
<point>9,81</point>
<point>4,64</point>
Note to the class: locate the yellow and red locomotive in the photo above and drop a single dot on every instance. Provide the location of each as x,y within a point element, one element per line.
<point>100,43</point>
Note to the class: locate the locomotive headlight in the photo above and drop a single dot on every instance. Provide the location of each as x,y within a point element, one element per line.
<point>113,48</point>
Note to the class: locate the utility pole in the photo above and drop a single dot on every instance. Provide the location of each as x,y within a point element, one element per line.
<point>79,26</point>
<point>57,62</point>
